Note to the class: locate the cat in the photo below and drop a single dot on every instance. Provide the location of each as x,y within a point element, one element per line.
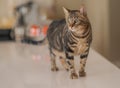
<point>70,37</point>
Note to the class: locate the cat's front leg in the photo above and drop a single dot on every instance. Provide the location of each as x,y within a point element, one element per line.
<point>83,58</point>
<point>82,72</point>
<point>70,62</point>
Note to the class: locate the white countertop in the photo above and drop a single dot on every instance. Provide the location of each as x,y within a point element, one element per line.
<point>28,66</point>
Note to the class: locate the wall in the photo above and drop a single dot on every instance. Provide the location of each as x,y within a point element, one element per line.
<point>115,31</point>
<point>98,11</point>
<point>71,4</point>
<point>5,7</point>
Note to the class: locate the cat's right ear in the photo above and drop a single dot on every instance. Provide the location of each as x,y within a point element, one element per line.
<point>66,11</point>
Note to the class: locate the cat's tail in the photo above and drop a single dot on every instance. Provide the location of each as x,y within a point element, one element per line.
<point>33,42</point>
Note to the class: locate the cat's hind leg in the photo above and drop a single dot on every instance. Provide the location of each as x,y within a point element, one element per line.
<point>53,62</point>
<point>70,61</point>
<point>63,62</point>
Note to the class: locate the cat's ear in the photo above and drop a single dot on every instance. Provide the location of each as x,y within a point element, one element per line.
<point>83,11</point>
<point>66,11</point>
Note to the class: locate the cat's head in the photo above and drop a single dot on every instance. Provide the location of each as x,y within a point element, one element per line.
<point>76,19</point>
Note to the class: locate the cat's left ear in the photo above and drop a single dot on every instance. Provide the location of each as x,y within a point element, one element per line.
<point>83,11</point>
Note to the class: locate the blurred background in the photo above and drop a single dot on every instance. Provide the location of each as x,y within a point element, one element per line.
<point>18,17</point>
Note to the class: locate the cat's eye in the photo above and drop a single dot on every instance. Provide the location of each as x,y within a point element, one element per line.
<point>76,22</point>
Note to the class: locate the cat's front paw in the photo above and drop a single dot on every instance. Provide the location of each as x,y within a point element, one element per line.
<point>74,76</point>
<point>82,74</point>
<point>54,69</point>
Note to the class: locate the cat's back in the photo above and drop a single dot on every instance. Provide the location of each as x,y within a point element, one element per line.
<point>55,34</point>
<point>56,26</point>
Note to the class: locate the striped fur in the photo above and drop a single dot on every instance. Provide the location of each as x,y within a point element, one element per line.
<point>70,37</point>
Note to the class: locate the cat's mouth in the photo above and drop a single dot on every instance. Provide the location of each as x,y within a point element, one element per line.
<point>71,29</point>
<point>77,31</point>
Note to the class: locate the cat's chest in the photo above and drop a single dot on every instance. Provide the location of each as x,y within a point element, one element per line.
<point>79,47</point>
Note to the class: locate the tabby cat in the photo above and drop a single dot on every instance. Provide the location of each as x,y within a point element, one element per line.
<point>70,37</point>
